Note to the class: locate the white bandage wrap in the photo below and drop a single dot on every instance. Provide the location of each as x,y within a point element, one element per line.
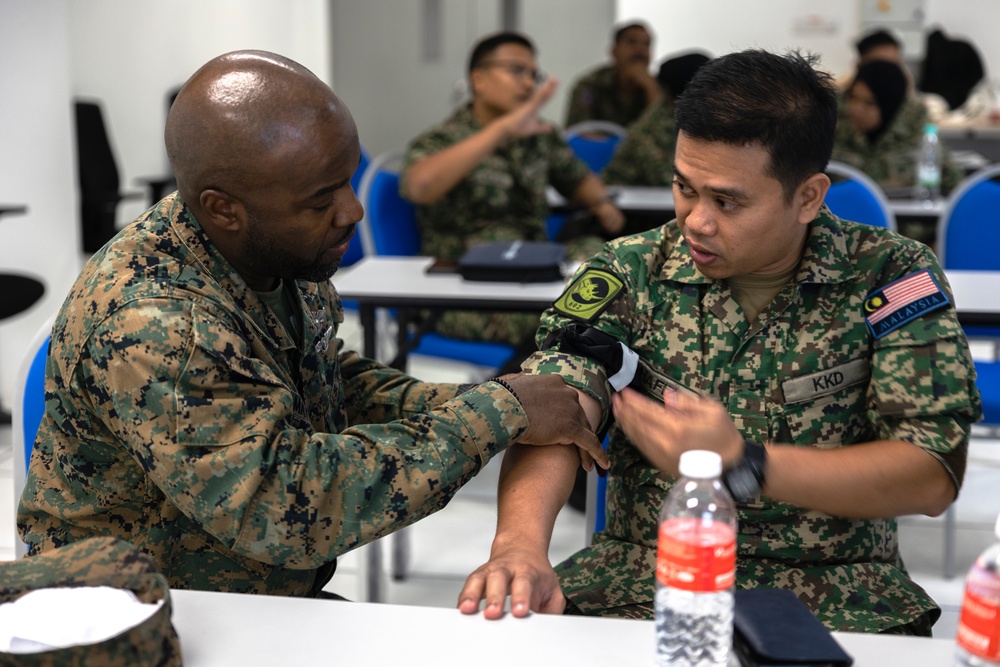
<point>630,363</point>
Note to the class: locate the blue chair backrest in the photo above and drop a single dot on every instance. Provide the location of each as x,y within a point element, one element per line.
<point>33,406</point>
<point>850,200</point>
<point>596,152</point>
<point>971,238</point>
<point>355,251</point>
<point>393,219</point>
<point>857,197</point>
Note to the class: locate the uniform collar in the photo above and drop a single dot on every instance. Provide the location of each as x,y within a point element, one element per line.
<point>315,318</point>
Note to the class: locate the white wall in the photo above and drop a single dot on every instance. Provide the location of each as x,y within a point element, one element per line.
<point>723,26</point>
<point>129,54</point>
<point>36,166</point>
<point>826,28</point>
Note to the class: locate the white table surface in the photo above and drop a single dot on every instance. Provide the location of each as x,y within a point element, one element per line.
<point>405,279</point>
<point>247,630</point>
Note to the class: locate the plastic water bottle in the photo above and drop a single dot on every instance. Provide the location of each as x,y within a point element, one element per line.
<point>696,567</point>
<point>929,165</point>
<point>979,625</point>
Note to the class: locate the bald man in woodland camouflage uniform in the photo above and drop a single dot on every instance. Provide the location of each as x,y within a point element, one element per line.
<point>822,359</point>
<point>198,401</point>
<point>481,176</point>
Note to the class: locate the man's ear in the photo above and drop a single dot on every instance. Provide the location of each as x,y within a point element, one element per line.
<point>809,196</point>
<point>222,210</point>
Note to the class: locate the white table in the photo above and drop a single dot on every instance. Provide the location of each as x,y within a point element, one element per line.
<point>403,282</point>
<point>977,296</point>
<point>246,630</point>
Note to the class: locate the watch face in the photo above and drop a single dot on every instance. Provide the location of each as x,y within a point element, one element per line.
<point>742,483</point>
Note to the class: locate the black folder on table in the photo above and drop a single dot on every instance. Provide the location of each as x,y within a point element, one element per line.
<point>773,627</point>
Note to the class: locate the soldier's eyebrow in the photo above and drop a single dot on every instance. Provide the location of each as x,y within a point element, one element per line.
<point>735,194</point>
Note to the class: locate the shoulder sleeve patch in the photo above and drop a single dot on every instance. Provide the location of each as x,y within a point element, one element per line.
<point>902,301</point>
<point>589,295</point>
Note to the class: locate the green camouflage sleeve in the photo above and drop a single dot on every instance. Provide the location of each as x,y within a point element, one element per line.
<point>923,388</point>
<point>219,433</point>
<point>377,394</point>
<point>585,373</point>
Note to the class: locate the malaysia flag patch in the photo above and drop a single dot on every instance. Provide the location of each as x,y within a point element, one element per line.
<point>902,301</point>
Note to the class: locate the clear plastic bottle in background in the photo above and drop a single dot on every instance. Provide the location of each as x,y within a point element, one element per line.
<point>929,165</point>
<point>978,636</point>
<point>696,567</point>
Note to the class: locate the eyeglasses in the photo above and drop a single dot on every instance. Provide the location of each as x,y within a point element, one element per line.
<point>516,70</point>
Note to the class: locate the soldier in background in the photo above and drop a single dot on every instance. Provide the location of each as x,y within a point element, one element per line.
<point>622,91</point>
<point>821,358</point>
<point>646,154</point>
<point>880,128</point>
<point>481,175</point>
<point>198,401</point>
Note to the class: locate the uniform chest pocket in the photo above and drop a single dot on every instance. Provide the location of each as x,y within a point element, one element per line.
<point>827,407</point>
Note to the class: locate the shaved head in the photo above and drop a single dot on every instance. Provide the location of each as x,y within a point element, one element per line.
<point>264,152</point>
<point>237,113</point>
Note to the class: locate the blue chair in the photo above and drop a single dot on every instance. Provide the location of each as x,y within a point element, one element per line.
<point>354,251</point>
<point>390,228</point>
<point>594,142</point>
<point>28,408</point>
<point>968,236</point>
<point>855,196</point>
<point>595,510</point>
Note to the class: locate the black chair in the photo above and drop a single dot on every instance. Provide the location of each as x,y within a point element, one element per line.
<point>97,172</point>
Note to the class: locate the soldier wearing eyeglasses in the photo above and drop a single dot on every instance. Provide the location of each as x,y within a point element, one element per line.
<point>481,174</point>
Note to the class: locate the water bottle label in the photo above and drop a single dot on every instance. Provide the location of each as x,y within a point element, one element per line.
<point>928,176</point>
<point>695,556</point>
<point>979,626</point>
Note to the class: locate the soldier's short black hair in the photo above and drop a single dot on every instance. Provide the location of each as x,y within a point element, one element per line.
<point>778,102</point>
<point>485,47</point>
<point>619,30</point>
<point>875,39</point>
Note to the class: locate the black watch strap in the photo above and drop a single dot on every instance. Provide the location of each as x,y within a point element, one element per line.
<point>746,479</point>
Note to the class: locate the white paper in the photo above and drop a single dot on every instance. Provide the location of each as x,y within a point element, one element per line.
<point>51,618</point>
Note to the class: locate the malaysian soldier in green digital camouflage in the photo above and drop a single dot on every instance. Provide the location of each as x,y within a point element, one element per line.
<point>621,91</point>
<point>98,561</point>
<point>645,157</point>
<point>198,400</point>
<point>880,127</point>
<point>481,176</point>
<point>821,358</point>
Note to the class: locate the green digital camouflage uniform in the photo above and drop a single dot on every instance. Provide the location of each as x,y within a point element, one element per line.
<point>503,199</point>
<point>891,160</point>
<point>646,155</point>
<point>595,96</point>
<point>778,377</point>
<point>98,561</point>
<point>181,416</point>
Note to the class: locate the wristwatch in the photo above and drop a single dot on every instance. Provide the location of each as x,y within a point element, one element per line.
<point>745,479</point>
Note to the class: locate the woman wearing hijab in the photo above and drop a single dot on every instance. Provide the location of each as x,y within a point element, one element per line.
<point>880,128</point>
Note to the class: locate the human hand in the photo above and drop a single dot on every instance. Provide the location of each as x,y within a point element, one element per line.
<point>523,121</point>
<point>555,416</point>
<point>610,218</point>
<point>524,574</point>
<point>663,432</point>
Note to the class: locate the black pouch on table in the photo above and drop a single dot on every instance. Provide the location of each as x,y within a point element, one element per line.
<point>514,261</point>
<point>773,627</point>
